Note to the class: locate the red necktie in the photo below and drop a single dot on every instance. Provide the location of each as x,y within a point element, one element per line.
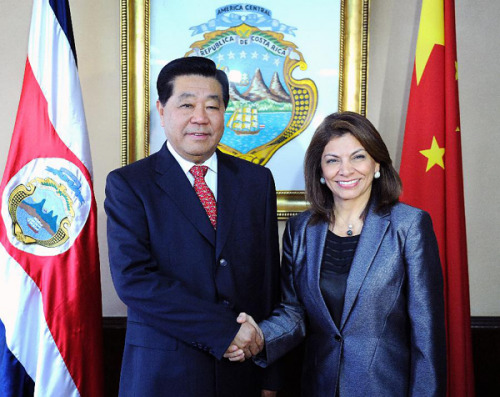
<point>204,193</point>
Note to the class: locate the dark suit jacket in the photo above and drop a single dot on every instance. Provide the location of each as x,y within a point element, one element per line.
<point>391,340</point>
<point>183,283</point>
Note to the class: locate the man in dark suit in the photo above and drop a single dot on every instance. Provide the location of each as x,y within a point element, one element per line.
<point>184,268</point>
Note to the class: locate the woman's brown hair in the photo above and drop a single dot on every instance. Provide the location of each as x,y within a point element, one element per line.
<point>385,190</point>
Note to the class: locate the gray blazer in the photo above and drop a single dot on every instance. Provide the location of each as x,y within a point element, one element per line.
<point>391,340</point>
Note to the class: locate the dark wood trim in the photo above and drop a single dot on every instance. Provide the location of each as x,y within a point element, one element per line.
<point>114,340</point>
<point>485,322</point>
<point>114,322</point>
<point>485,333</point>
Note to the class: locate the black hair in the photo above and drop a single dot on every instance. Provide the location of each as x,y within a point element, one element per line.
<point>189,66</point>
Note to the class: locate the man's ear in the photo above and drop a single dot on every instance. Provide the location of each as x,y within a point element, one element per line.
<point>161,111</point>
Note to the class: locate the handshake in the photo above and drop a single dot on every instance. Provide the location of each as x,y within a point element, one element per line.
<point>248,342</point>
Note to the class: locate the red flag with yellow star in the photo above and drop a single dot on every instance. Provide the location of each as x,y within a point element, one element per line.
<point>431,170</point>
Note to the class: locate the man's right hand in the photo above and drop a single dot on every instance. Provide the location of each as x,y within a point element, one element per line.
<point>248,342</point>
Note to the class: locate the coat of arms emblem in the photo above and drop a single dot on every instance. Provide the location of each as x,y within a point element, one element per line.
<point>268,107</point>
<point>48,202</point>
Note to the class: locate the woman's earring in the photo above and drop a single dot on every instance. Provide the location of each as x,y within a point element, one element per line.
<point>377,175</point>
<point>322,180</point>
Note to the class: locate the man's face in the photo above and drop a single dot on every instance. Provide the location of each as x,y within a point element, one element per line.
<point>193,117</point>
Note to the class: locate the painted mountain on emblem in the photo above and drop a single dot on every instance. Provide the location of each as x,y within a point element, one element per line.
<point>259,91</point>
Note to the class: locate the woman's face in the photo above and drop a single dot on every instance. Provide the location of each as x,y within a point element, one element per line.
<point>348,169</point>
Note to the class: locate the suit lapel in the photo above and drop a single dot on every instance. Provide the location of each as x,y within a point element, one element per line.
<point>316,240</point>
<point>371,237</point>
<point>173,181</point>
<point>228,190</point>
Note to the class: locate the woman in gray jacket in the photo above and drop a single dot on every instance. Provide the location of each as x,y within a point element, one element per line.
<point>361,276</point>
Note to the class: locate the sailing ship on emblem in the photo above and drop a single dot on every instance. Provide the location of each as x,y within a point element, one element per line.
<point>245,120</point>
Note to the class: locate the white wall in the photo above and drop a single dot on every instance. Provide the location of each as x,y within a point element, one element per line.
<point>393,32</point>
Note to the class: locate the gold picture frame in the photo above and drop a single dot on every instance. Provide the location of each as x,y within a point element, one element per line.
<point>134,42</point>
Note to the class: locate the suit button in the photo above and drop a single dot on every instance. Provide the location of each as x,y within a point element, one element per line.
<point>225,302</point>
<point>223,262</point>
<point>337,338</point>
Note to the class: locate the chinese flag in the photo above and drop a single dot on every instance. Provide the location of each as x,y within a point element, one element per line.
<point>431,170</point>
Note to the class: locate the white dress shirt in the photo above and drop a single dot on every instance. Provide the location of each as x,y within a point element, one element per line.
<point>211,163</point>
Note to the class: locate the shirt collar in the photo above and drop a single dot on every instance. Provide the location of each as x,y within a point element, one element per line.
<point>186,165</point>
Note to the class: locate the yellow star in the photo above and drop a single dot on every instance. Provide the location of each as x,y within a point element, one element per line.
<point>430,33</point>
<point>434,155</point>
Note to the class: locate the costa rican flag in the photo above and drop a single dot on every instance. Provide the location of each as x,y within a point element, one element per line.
<point>50,294</point>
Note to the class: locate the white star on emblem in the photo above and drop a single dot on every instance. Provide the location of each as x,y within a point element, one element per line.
<point>243,55</point>
<point>231,55</point>
<point>255,55</point>
<point>276,62</point>
<point>220,58</point>
<point>265,57</point>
